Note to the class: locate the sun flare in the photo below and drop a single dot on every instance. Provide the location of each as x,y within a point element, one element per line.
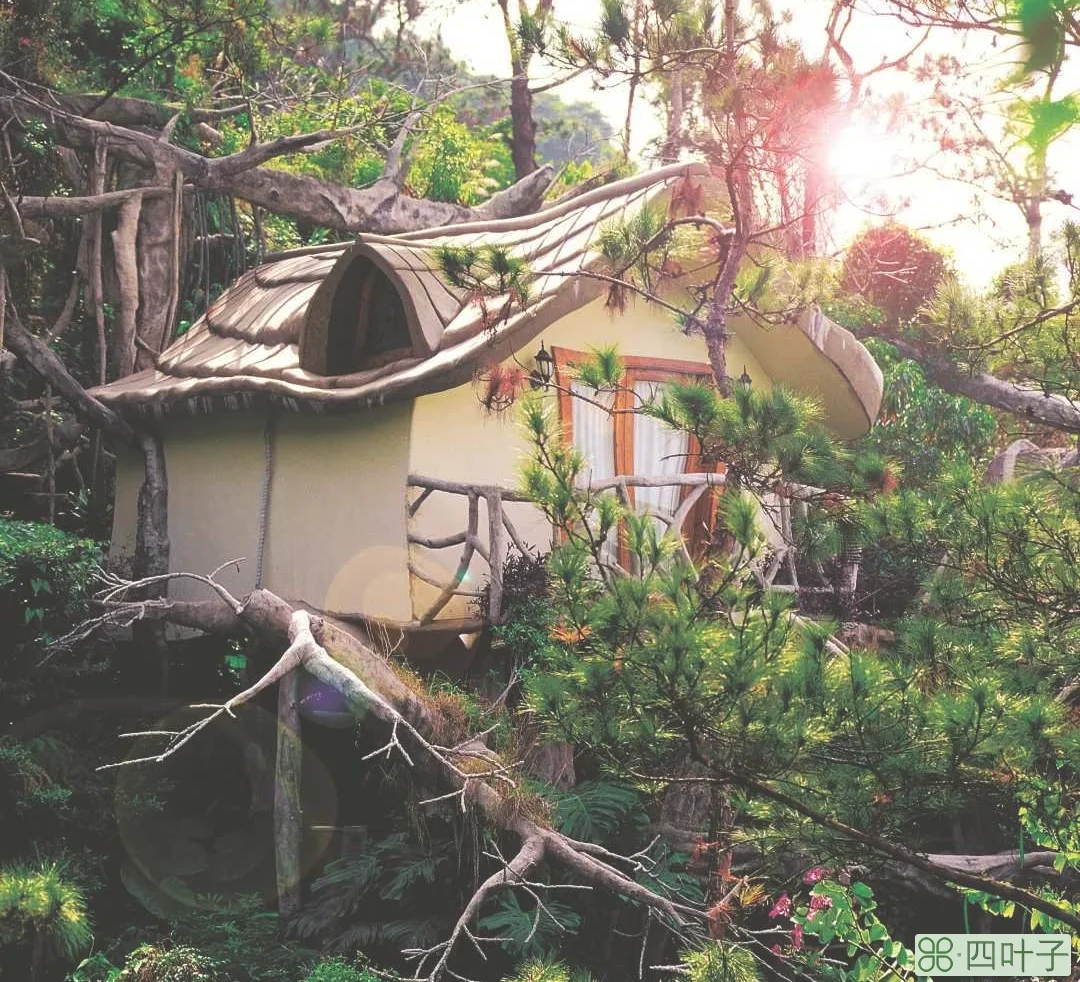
<point>863,159</point>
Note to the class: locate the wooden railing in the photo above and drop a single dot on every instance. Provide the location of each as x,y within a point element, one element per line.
<point>493,545</point>
<point>793,500</point>
<point>501,534</point>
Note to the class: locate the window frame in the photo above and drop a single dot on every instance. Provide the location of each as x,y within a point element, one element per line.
<point>697,528</point>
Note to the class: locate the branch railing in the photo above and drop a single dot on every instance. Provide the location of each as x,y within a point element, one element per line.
<point>494,543</point>
<point>502,535</point>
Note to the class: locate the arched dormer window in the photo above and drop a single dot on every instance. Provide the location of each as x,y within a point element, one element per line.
<point>366,325</point>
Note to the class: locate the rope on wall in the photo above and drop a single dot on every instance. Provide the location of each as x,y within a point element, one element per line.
<point>264,498</point>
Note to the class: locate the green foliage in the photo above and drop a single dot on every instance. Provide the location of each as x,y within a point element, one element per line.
<point>31,802</point>
<point>45,576</point>
<point>536,970</point>
<point>594,811</point>
<point>602,370</point>
<point>635,248</point>
<point>167,963</point>
<point>95,968</point>
<point>240,938</point>
<point>844,914</point>
<point>530,930</point>
<point>759,435</point>
<point>721,963</point>
<point>340,970</point>
<point>922,426</point>
<point>490,272</point>
<point>453,162</point>
<point>382,897</point>
<point>38,901</point>
<point>614,23</point>
<point>660,655</point>
<point>1042,27</point>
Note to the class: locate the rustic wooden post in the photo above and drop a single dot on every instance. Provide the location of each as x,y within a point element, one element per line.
<point>152,548</point>
<point>496,555</point>
<point>288,813</point>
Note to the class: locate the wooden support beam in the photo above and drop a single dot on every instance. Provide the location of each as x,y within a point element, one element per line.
<point>288,813</point>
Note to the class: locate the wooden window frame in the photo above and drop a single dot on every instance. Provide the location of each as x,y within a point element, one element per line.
<point>702,518</point>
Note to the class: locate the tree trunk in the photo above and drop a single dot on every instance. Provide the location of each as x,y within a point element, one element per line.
<point>523,135</point>
<point>288,813</point>
<point>669,153</point>
<point>126,257</point>
<point>159,267</point>
<point>152,549</point>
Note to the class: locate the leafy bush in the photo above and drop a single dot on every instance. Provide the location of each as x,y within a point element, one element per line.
<point>340,970</point>
<point>241,936</point>
<point>32,805</point>
<point>721,963</point>
<point>160,963</point>
<point>594,811</point>
<point>45,575</point>
<point>536,970</point>
<point>530,929</point>
<point>386,896</point>
<point>41,912</point>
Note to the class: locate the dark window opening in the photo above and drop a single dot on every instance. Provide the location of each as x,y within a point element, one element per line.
<point>368,326</point>
<point>387,329</point>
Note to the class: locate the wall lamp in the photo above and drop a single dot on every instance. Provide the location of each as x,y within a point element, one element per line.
<point>540,376</point>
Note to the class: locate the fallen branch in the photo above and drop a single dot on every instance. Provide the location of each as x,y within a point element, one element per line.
<point>374,693</point>
<point>382,208</point>
<point>35,207</point>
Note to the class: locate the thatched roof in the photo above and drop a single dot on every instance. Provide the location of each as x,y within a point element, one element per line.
<point>252,342</point>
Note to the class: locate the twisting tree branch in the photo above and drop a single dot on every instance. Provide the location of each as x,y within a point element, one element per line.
<point>374,693</point>
<point>382,208</point>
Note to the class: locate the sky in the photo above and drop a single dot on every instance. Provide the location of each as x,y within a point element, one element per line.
<point>983,233</point>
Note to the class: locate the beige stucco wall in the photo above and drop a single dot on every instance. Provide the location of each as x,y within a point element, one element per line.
<point>454,438</point>
<point>336,531</point>
<point>214,466</point>
<point>337,511</point>
<point>129,475</point>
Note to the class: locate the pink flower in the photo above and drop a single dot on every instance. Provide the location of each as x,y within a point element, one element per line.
<point>820,903</point>
<point>796,937</point>
<point>775,949</point>
<point>782,907</point>
<point>815,873</point>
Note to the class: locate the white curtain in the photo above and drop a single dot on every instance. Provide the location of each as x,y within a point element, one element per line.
<point>594,432</point>
<point>658,451</point>
<point>594,435</point>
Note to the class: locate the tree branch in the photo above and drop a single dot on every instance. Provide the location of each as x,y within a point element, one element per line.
<point>35,207</point>
<point>381,209</point>
<point>1055,411</point>
<point>373,692</point>
<point>41,359</point>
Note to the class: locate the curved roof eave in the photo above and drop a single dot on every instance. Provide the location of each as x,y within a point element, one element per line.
<point>817,357</point>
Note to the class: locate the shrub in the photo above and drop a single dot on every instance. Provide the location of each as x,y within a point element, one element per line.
<point>158,963</point>
<point>45,576</point>
<point>41,915</point>
<point>340,970</point>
